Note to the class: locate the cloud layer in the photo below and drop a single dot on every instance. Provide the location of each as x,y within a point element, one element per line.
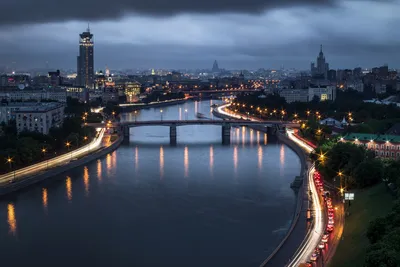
<point>41,11</point>
<point>359,33</point>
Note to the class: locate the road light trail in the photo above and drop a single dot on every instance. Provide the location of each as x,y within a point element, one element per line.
<point>62,159</point>
<point>313,239</point>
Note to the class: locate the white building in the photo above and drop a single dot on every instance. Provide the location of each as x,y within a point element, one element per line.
<point>294,95</point>
<point>323,92</point>
<point>57,94</point>
<point>39,117</point>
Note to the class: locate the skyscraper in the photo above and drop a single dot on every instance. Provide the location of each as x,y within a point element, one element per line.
<point>322,68</point>
<point>215,67</point>
<point>85,72</point>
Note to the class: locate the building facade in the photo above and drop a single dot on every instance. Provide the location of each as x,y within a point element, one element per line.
<point>321,69</point>
<point>39,117</point>
<point>384,146</point>
<point>85,60</point>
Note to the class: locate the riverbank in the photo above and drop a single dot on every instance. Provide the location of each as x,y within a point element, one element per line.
<point>30,180</point>
<point>297,231</point>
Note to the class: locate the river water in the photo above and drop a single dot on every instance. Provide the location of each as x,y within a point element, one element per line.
<point>149,204</point>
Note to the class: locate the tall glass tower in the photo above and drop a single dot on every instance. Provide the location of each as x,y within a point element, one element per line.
<point>85,73</point>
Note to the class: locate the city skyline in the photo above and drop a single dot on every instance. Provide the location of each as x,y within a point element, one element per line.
<point>195,36</point>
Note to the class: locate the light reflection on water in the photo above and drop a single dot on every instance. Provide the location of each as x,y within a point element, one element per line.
<point>226,219</point>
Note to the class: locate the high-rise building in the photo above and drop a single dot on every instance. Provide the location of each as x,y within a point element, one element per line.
<point>215,67</point>
<point>85,73</point>
<point>322,68</point>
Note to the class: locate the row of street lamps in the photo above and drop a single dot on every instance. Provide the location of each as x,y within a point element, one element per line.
<point>10,160</point>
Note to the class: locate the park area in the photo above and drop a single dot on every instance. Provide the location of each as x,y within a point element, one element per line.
<point>369,204</point>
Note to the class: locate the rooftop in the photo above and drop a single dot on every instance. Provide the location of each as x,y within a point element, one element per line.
<point>40,107</point>
<point>372,137</point>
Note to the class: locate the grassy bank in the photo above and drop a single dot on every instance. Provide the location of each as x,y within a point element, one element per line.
<point>369,204</point>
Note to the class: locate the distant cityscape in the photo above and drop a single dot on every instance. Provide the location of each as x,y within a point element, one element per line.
<point>129,86</point>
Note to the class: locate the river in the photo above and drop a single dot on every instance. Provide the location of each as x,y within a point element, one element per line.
<point>149,204</point>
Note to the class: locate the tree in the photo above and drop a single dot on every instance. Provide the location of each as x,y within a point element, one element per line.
<point>384,257</point>
<point>376,230</point>
<point>368,172</point>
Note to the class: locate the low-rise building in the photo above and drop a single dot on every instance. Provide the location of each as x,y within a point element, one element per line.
<point>294,95</point>
<point>384,146</point>
<point>39,117</point>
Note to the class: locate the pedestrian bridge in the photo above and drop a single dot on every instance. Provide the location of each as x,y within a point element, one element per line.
<point>272,126</point>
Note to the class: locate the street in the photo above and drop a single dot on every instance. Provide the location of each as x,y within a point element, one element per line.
<point>53,162</point>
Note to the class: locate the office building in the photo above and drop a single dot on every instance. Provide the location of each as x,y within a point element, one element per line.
<point>85,60</point>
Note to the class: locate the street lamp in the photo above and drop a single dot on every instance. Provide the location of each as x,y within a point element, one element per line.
<point>161,113</point>
<point>135,114</point>
<point>186,114</point>
<point>68,144</point>
<point>44,155</point>
<point>10,161</point>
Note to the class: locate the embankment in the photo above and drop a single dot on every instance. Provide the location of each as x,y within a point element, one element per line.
<point>30,180</point>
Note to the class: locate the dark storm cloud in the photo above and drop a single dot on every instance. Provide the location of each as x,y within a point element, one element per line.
<point>41,11</point>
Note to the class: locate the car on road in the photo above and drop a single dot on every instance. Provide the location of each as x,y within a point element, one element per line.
<point>331,222</point>
<point>325,238</point>
<point>321,245</point>
<point>314,257</point>
<point>329,228</point>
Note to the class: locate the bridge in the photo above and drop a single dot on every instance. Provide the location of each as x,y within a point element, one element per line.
<point>221,91</point>
<point>272,126</point>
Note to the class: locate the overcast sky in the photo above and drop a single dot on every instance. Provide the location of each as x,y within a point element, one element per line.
<point>241,34</point>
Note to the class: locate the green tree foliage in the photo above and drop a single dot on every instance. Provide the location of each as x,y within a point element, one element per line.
<point>376,230</point>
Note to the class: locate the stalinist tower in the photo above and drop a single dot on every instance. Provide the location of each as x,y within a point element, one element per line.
<point>322,68</point>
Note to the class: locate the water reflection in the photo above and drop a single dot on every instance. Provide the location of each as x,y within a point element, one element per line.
<point>136,159</point>
<point>260,157</point>
<point>114,160</point>
<point>265,139</point>
<point>211,160</point>
<point>99,170</point>
<point>108,164</point>
<point>12,221</point>
<point>282,159</point>
<point>243,135</point>
<point>68,186</point>
<point>86,180</point>
<point>161,162</point>
<point>251,137</point>
<point>235,159</point>
<point>258,138</point>
<point>186,161</point>
<point>44,198</point>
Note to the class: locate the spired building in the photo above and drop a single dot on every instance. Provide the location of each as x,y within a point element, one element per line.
<point>85,72</point>
<point>215,68</point>
<point>321,70</point>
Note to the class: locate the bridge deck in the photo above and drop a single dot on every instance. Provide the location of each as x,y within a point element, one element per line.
<point>197,122</point>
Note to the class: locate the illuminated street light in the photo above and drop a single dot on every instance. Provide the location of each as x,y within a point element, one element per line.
<point>161,112</point>
<point>44,154</point>
<point>10,161</point>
